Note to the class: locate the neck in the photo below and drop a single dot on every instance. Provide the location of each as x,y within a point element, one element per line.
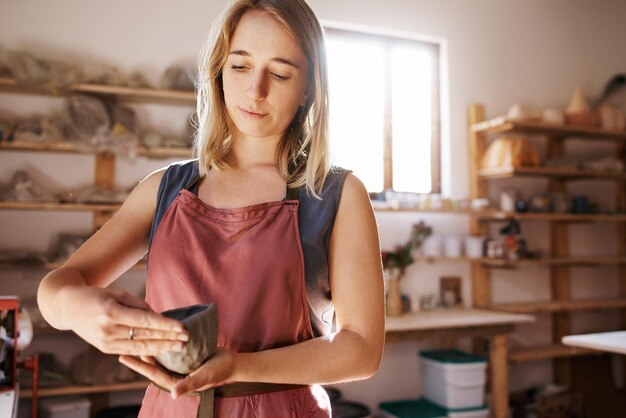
<point>250,152</point>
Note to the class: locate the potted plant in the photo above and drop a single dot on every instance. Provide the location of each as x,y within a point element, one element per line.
<point>395,263</point>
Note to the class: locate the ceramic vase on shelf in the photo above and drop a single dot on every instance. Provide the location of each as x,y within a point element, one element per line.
<point>394,297</point>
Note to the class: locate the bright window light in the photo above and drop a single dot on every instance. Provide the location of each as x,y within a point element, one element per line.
<point>381,97</point>
<point>356,108</point>
<point>411,119</point>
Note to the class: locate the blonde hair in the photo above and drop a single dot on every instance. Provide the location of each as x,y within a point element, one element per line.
<point>302,154</point>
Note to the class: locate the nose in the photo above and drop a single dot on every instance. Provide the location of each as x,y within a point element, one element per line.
<point>257,90</point>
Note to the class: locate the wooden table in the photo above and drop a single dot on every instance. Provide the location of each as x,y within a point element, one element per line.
<point>612,342</point>
<point>454,323</point>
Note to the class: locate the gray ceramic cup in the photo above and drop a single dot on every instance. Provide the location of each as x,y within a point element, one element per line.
<point>200,321</point>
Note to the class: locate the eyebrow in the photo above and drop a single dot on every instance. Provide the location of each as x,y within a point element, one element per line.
<point>279,60</point>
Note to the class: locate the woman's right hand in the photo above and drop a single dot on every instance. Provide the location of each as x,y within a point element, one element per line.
<point>117,322</point>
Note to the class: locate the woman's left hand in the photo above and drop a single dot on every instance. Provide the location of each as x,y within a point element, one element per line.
<point>216,371</point>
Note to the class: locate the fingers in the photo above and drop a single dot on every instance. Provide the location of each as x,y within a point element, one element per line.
<point>147,319</point>
<point>155,373</point>
<point>143,347</point>
<point>215,372</point>
<point>192,383</point>
<point>122,332</point>
<point>148,359</point>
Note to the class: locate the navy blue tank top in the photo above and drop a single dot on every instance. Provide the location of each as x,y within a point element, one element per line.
<point>315,220</point>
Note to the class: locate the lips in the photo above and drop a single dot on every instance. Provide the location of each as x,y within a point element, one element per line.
<point>251,114</point>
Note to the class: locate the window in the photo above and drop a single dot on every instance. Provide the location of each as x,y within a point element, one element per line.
<point>384,110</point>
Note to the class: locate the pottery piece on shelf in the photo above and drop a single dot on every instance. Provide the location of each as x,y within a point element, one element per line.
<point>579,112</point>
<point>24,188</point>
<point>510,152</point>
<point>607,117</point>
<point>590,119</point>
<point>611,118</point>
<point>553,116</point>
<point>609,164</point>
<point>518,113</point>
<point>394,298</point>
<point>578,103</point>
<point>620,121</point>
<point>508,199</point>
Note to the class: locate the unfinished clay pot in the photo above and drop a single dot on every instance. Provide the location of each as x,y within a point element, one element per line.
<point>518,113</point>
<point>510,152</point>
<point>201,323</point>
<point>579,112</point>
<point>553,116</point>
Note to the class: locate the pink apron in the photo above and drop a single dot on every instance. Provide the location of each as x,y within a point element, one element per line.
<point>249,262</point>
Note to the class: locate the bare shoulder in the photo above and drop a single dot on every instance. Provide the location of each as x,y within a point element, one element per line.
<point>143,197</point>
<point>150,183</point>
<point>354,196</point>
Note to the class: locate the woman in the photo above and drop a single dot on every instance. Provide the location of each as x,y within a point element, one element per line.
<point>258,224</point>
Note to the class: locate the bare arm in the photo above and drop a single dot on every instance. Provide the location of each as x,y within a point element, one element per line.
<point>71,297</point>
<point>353,352</point>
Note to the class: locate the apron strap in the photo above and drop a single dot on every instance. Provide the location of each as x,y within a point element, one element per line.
<point>292,194</point>
<point>207,397</point>
<point>193,184</point>
<point>205,409</point>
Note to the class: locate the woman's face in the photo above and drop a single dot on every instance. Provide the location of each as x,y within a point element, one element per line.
<point>265,77</point>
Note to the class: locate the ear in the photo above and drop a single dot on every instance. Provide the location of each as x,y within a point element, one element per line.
<point>305,98</point>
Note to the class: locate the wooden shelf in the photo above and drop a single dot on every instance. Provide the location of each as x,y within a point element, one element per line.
<point>56,206</point>
<point>501,125</point>
<point>496,215</point>
<point>52,266</point>
<point>429,211</point>
<point>141,265</point>
<point>68,147</point>
<point>546,352</point>
<point>47,146</point>
<point>48,331</point>
<point>84,390</point>
<point>165,152</point>
<point>565,173</point>
<point>564,262</point>
<point>172,97</point>
<point>561,306</point>
<point>431,260</point>
<point>557,234</point>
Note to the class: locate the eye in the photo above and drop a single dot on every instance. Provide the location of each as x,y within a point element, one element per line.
<point>280,77</point>
<point>238,67</point>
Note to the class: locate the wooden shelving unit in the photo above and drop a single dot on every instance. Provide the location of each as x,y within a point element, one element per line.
<point>546,352</point>
<point>85,390</point>
<point>68,147</point>
<point>129,94</point>
<point>496,215</point>
<point>564,261</point>
<point>428,211</point>
<point>559,261</point>
<point>561,306</point>
<point>501,125</point>
<point>565,173</point>
<point>105,168</point>
<point>58,206</point>
<point>139,266</point>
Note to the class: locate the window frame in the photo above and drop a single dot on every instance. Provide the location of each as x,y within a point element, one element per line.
<point>388,41</point>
